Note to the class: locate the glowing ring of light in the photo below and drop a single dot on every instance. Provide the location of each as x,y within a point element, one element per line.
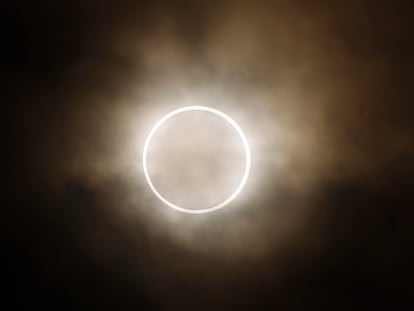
<point>246,151</point>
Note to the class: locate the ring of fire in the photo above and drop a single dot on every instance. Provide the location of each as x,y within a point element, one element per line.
<point>246,151</point>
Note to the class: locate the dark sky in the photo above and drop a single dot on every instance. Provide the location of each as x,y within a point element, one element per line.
<point>325,93</point>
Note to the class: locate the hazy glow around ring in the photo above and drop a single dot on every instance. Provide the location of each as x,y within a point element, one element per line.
<point>246,150</point>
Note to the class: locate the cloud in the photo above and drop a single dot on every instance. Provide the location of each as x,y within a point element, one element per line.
<point>321,92</point>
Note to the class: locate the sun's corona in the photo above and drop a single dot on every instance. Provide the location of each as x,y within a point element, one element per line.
<point>247,162</point>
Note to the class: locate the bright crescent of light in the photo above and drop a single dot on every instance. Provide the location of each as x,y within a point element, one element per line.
<point>246,150</point>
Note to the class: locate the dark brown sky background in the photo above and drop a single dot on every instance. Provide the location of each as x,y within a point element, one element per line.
<point>324,93</point>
